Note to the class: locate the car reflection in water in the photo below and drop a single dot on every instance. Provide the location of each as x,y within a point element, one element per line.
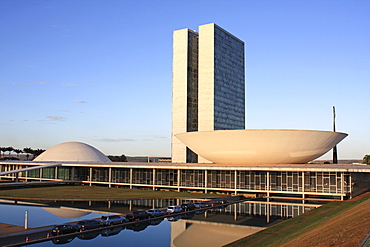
<point>139,226</point>
<point>63,240</point>
<point>199,212</point>
<point>112,231</point>
<point>155,222</point>
<point>188,215</point>
<point>174,218</point>
<point>88,235</point>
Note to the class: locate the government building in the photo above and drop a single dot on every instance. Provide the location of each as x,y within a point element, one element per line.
<point>208,85</point>
<point>212,152</point>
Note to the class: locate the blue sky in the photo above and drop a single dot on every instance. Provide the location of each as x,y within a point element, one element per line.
<point>100,72</point>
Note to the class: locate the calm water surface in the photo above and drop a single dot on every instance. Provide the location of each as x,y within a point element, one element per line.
<point>207,228</point>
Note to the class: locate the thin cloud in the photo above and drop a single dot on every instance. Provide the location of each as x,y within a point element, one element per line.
<point>154,138</point>
<point>160,137</point>
<point>114,140</point>
<point>81,101</point>
<point>55,118</point>
<point>70,85</point>
<point>20,84</point>
<point>41,82</point>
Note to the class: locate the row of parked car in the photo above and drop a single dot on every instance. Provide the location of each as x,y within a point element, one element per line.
<point>136,215</point>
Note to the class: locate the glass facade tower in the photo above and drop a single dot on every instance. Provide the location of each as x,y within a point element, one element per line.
<point>208,88</point>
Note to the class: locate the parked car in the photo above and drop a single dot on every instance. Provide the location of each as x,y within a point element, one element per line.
<point>187,206</point>
<point>197,205</point>
<point>174,209</point>
<point>138,214</point>
<point>112,220</point>
<point>155,212</point>
<point>87,224</point>
<point>62,229</point>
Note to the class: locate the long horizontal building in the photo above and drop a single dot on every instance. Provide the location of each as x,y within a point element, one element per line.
<point>307,181</point>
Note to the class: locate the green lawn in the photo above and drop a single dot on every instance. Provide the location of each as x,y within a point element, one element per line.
<point>81,192</point>
<point>288,230</point>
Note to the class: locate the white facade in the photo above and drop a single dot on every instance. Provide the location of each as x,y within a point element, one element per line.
<point>73,152</point>
<point>262,147</point>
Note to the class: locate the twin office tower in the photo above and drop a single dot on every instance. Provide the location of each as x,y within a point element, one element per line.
<point>208,85</point>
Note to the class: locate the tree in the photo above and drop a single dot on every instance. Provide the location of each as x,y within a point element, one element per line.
<point>366,159</point>
<point>37,152</point>
<point>28,151</point>
<point>121,158</point>
<point>3,150</point>
<point>9,149</point>
<point>18,151</point>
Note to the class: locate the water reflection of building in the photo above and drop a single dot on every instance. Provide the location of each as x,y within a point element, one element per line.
<point>194,233</point>
<point>66,213</point>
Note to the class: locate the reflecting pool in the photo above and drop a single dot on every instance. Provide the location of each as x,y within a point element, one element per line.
<point>213,227</point>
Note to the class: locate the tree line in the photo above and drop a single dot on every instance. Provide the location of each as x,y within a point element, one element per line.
<point>28,151</point>
<point>7,153</point>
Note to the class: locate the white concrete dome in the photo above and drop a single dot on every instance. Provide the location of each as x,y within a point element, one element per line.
<point>261,146</point>
<point>73,152</point>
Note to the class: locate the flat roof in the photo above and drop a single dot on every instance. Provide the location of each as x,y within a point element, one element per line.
<point>211,166</point>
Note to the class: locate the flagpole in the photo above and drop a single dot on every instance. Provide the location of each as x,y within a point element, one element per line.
<point>335,154</point>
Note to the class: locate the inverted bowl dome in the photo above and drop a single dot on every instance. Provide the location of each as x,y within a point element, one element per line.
<point>73,152</point>
<point>261,146</point>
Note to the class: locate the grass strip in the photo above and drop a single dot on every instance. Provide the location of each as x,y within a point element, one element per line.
<point>80,192</point>
<point>290,229</point>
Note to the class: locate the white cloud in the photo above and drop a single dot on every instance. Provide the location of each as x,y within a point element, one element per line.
<point>81,101</point>
<point>41,82</point>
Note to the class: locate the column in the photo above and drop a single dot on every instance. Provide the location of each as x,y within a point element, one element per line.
<point>56,173</point>
<point>153,179</point>
<point>130,179</point>
<point>235,182</point>
<point>90,177</point>
<point>351,186</point>
<point>268,183</point>
<point>178,179</point>
<point>342,185</point>
<point>303,187</point>
<point>205,181</point>
<point>110,177</point>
